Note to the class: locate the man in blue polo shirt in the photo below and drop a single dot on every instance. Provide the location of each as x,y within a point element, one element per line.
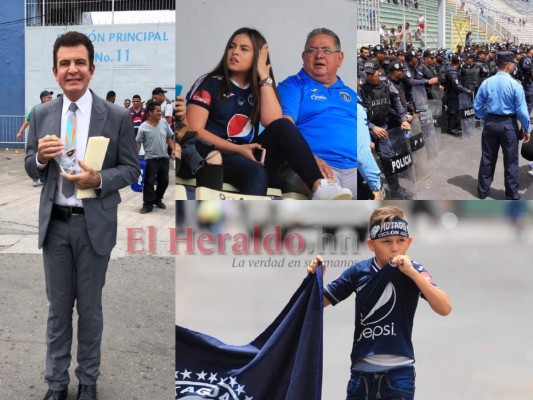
<point>324,108</point>
<point>501,103</point>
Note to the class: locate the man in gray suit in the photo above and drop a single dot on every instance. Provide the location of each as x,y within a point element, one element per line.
<point>77,236</point>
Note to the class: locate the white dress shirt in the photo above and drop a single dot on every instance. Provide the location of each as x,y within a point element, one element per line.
<point>83,115</point>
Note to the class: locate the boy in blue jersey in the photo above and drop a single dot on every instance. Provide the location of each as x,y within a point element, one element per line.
<point>387,289</point>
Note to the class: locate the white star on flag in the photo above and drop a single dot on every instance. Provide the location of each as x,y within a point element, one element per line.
<point>201,376</point>
<point>186,374</point>
<point>240,389</point>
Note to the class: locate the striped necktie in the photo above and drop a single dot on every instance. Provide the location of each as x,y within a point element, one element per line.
<point>70,144</point>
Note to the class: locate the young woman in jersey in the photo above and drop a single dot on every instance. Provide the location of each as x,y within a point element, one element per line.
<point>226,107</point>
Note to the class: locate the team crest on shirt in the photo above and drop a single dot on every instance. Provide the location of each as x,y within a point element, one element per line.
<point>240,101</point>
<point>346,96</point>
<point>190,385</point>
<point>240,129</point>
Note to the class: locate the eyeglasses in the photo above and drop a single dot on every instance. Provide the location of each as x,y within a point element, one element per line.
<point>314,51</point>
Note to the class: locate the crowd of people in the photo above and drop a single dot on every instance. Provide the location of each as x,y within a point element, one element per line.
<point>389,78</point>
<point>157,112</point>
<point>395,38</point>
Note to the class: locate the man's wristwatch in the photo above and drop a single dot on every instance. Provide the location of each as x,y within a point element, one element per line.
<point>266,82</point>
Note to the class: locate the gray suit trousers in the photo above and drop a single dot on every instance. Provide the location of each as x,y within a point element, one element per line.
<point>74,274</point>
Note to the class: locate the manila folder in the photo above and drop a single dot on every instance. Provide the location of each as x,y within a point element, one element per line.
<point>94,157</point>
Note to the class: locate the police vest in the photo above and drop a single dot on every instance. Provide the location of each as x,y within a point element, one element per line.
<point>493,68</point>
<point>485,71</point>
<point>401,92</point>
<point>471,77</point>
<point>441,71</point>
<point>377,103</point>
<point>428,71</point>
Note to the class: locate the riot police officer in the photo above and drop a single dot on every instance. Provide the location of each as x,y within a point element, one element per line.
<point>427,67</point>
<point>484,63</point>
<point>453,88</point>
<point>491,62</point>
<point>363,57</point>
<point>414,75</point>
<point>441,66</point>
<point>395,80</point>
<point>379,53</point>
<point>526,71</point>
<point>501,102</point>
<point>471,73</point>
<point>379,101</point>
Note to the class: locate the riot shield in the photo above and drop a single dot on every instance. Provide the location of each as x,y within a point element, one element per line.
<point>426,121</point>
<point>421,162</point>
<point>436,111</point>
<point>466,110</point>
<point>444,119</point>
<point>399,171</point>
<point>436,93</point>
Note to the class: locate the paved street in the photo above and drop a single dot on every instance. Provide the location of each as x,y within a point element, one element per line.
<point>480,352</point>
<point>138,340</point>
<point>454,172</point>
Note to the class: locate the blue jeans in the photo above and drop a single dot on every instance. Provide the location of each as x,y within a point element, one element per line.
<point>394,384</point>
<point>248,176</point>
<point>283,142</point>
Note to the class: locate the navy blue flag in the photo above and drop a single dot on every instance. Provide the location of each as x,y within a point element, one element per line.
<point>282,363</point>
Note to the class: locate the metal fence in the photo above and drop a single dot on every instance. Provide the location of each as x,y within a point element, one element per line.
<point>368,15</point>
<point>9,126</point>
<point>98,12</point>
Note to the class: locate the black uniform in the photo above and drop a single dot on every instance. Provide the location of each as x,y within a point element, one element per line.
<point>381,101</point>
<point>428,72</point>
<point>471,76</point>
<point>492,67</point>
<point>453,87</point>
<point>399,86</point>
<point>526,70</point>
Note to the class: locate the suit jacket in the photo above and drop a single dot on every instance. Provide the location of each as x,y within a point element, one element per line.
<point>120,167</point>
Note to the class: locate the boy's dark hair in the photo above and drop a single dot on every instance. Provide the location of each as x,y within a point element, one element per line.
<point>383,214</point>
<point>151,105</point>
<point>73,39</point>
<point>136,96</point>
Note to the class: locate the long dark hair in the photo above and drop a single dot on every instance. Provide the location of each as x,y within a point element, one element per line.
<point>221,69</point>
